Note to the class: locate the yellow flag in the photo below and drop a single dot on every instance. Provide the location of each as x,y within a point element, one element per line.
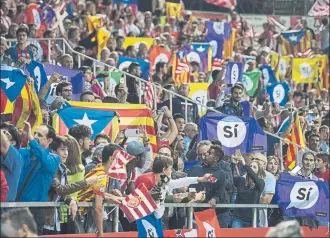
<point>198,92</point>
<point>228,45</point>
<point>305,70</point>
<point>135,41</point>
<point>173,9</point>
<point>274,59</point>
<point>94,22</point>
<point>283,67</point>
<point>323,71</point>
<point>102,39</point>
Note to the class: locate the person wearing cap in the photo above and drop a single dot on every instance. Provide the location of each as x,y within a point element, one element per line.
<point>233,106</point>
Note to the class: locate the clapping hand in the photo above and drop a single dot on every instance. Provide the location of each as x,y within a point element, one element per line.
<point>28,133</point>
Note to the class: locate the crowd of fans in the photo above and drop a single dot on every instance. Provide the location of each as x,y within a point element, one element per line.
<point>72,168</point>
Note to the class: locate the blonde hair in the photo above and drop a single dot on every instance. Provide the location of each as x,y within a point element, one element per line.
<point>261,172</point>
<point>73,163</point>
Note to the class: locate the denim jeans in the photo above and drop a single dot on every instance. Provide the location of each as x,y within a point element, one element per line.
<point>224,219</point>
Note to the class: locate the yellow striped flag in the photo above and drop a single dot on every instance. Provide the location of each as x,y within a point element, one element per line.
<point>323,71</point>
<point>173,9</point>
<point>180,70</point>
<point>130,117</point>
<point>296,137</point>
<point>102,36</point>
<point>136,41</point>
<point>228,45</point>
<point>303,45</point>
<point>94,22</point>
<point>305,70</point>
<point>283,67</point>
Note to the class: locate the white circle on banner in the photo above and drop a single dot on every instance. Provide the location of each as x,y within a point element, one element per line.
<point>214,46</point>
<point>278,93</point>
<point>36,17</point>
<point>231,131</point>
<point>193,57</point>
<point>124,65</point>
<point>234,74</point>
<point>305,70</point>
<point>201,97</point>
<point>219,27</point>
<point>283,67</point>
<point>248,84</point>
<point>265,74</point>
<point>304,195</point>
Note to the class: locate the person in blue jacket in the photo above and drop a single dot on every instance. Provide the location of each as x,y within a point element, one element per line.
<point>38,170</point>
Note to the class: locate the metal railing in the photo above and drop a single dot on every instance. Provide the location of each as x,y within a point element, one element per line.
<point>188,206</point>
<point>66,46</point>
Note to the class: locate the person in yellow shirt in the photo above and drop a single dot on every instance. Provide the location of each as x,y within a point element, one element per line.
<point>93,219</point>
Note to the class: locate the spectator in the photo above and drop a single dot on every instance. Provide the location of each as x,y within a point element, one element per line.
<point>66,61</point>
<point>190,130</point>
<point>161,73</point>
<point>121,92</point>
<point>11,163</point>
<point>101,138</point>
<point>274,166</point>
<point>233,105</point>
<point>18,223</point>
<point>249,190</point>
<point>4,59</point>
<point>179,121</point>
<point>38,173</point>
<point>308,165</point>
<point>64,89</point>
<point>95,158</point>
<point>82,135</point>
<point>322,166</point>
<point>178,152</point>
<point>131,83</point>
<point>87,96</point>
<point>191,108</point>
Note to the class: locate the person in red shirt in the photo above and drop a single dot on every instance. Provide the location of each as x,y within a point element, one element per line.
<point>3,187</point>
<point>322,166</point>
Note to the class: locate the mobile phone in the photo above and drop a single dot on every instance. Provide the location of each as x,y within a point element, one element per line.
<point>192,190</point>
<point>132,133</point>
<point>296,169</point>
<point>161,111</point>
<point>123,80</point>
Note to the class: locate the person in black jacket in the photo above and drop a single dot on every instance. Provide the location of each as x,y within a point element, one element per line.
<point>249,189</point>
<point>215,193</point>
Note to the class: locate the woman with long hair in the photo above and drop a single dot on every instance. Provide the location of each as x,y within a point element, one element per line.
<point>273,166</point>
<point>249,189</point>
<point>76,169</point>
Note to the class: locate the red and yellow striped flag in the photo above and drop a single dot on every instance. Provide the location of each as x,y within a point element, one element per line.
<point>131,116</point>
<point>180,71</point>
<point>304,44</point>
<point>296,137</point>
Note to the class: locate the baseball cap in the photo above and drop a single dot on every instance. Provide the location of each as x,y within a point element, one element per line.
<point>135,148</point>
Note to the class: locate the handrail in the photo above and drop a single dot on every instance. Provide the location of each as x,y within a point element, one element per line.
<point>189,207</point>
<point>66,44</point>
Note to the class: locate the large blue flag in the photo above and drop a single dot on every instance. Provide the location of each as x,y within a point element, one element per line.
<point>234,72</point>
<point>124,62</point>
<point>97,120</point>
<point>233,132</point>
<point>268,75</point>
<point>38,73</point>
<point>12,81</point>
<point>149,226</point>
<point>76,77</point>
<point>294,36</point>
<point>217,32</point>
<point>299,197</point>
<point>278,93</point>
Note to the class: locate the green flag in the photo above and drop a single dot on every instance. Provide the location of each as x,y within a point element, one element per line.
<point>251,82</point>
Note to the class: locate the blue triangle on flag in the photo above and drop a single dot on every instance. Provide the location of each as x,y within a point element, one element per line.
<point>293,37</point>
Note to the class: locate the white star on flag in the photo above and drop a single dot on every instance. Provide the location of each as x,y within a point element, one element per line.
<point>86,121</point>
<point>200,49</point>
<point>7,82</point>
<point>293,38</point>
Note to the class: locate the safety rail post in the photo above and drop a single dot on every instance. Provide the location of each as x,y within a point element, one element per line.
<point>171,102</point>
<point>116,219</point>
<point>189,217</point>
<point>94,68</point>
<point>186,111</point>
<point>281,156</point>
<point>254,217</point>
<point>63,47</point>
<point>139,92</point>
<point>49,50</point>
<point>79,61</point>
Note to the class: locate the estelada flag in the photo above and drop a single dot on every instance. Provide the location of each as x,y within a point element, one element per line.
<point>131,116</point>
<point>180,71</point>
<point>94,22</point>
<point>207,224</point>
<point>138,204</point>
<point>158,54</point>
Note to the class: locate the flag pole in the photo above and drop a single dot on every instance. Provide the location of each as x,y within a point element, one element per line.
<point>112,210</point>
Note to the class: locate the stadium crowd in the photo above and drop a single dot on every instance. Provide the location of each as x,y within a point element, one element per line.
<point>39,165</point>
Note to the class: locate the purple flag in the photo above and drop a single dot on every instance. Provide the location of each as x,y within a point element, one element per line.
<point>233,132</point>
<point>200,53</point>
<point>71,75</point>
<point>217,32</point>
<point>299,197</point>
<point>234,72</point>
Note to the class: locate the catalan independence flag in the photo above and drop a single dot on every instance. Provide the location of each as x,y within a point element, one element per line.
<point>180,71</point>
<point>130,117</point>
<point>294,42</point>
<point>296,136</point>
